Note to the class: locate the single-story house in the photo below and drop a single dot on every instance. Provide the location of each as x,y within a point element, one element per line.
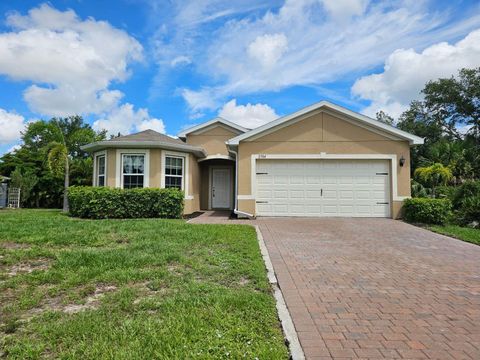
<point>323,160</point>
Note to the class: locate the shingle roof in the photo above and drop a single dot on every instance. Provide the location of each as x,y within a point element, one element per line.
<point>147,135</point>
<point>145,140</point>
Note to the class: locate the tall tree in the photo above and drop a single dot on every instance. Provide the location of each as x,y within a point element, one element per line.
<point>59,140</point>
<point>382,116</point>
<point>456,101</point>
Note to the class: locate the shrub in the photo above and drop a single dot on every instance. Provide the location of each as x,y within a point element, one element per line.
<point>446,192</point>
<point>427,211</point>
<point>469,212</point>
<point>466,190</point>
<point>103,203</point>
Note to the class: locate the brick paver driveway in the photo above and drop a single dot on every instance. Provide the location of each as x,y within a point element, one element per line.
<point>376,288</point>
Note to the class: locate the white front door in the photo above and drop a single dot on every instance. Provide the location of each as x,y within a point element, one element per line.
<point>352,188</point>
<point>221,188</point>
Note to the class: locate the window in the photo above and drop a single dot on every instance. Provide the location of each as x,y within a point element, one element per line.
<point>174,172</point>
<point>101,170</point>
<point>133,170</point>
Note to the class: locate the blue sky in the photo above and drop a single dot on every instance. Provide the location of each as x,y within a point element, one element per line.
<point>169,64</point>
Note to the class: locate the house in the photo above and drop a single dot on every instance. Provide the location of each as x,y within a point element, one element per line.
<point>323,160</point>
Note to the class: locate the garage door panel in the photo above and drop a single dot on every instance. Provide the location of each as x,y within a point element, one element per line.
<point>323,188</point>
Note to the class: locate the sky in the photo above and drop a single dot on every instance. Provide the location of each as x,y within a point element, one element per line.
<point>131,65</point>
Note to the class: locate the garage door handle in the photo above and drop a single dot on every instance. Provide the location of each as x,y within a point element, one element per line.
<point>321,192</point>
<point>261,202</point>
<point>381,173</point>
<point>382,203</point>
<point>260,173</point>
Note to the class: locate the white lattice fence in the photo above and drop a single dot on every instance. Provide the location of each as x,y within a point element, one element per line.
<point>13,197</point>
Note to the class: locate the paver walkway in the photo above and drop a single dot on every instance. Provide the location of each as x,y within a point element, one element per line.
<point>375,288</point>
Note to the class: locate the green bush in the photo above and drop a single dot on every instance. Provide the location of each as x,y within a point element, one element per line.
<point>464,191</point>
<point>103,203</point>
<point>427,211</point>
<point>469,211</point>
<point>446,192</point>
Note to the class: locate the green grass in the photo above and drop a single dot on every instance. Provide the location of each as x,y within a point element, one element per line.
<point>463,233</point>
<point>147,289</point>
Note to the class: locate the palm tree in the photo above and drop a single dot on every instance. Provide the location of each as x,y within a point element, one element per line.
<point>434,175</point>
<point>59,165</point>
<point>60,140</point>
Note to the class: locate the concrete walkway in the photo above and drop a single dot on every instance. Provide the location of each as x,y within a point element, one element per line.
<point>374,288</point>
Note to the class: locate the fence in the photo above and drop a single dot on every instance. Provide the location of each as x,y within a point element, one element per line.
<point>13,197</point>
<point>3,195</point>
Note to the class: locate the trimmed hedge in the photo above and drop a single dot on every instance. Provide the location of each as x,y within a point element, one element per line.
<point>427,210</point>
<point>107,203</point>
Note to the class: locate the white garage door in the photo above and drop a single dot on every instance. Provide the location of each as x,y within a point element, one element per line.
<point>356,188</point>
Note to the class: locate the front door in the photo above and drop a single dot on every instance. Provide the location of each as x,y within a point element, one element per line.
<point>221,188</point>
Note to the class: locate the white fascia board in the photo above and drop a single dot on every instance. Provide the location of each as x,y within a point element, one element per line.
<point>198,151</point>
<point>220,120</point>
<point>413,139</point>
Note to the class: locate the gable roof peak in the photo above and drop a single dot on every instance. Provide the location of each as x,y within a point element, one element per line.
<point>324,104</point>
<point>218,119</point>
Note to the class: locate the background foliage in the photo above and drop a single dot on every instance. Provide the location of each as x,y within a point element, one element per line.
<point>34,167</point>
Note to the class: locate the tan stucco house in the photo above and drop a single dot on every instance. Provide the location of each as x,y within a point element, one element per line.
<point>323,160</point>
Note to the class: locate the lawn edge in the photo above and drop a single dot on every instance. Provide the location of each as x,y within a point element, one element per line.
<point>453,236</point>
<point>293,343</point>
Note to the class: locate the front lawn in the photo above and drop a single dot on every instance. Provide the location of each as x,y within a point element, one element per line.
<point>132,289</point>
<point>459,232</point>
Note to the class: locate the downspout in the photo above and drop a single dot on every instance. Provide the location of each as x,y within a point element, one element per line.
<point>235,210</point>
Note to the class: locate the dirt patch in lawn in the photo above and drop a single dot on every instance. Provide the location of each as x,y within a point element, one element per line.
<point>92,302</point>
<point>27,267</point>
<point>13,246</point>
<point>57,303</point>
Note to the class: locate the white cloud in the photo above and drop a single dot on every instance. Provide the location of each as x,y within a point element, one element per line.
<point>153,124</point>
<point>125,119</point>
<point>204,99</point>
<point>180,60</point>
<point>14,148</point>
<point>328,40</point>
<point>406,72</point>
<point>249,116</point>
<point>342,9</point>
<point>11,124</point>
<point>268,49</point>
<point>71,62</point>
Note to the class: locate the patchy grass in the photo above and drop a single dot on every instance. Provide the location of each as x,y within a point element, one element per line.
<point>463,233</point>
<point>132,289</point>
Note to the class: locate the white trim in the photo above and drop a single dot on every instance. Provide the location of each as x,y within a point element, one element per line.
<point>413,139</point>
<point>245,197</point>
<point>391,157</point>
<point>119,166</point>
<point>144,144</point>
<point>220,120</point>
<point>95,155</point>
<point>217,156</point>
<point>186,172</point>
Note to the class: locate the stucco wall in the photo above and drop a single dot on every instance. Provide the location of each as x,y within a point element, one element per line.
<point>212,140</point>
<point>322,132</point>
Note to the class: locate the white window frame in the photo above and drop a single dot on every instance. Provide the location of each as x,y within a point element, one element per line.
<point>186,173</point>
<point>95,166</point>
<point>119,165</point>
<point>182,177</point>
